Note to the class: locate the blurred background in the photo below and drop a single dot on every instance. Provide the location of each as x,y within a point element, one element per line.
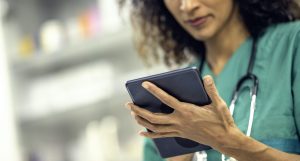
<point>63,66</point>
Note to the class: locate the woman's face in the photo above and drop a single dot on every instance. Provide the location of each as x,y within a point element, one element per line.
<point>203,19</point>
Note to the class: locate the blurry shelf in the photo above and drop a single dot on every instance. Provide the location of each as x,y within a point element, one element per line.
<point>108,45</point>
<point>77,115</point>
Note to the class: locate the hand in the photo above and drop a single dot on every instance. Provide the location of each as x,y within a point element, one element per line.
<point>209,125</point>
<point>187,157</point>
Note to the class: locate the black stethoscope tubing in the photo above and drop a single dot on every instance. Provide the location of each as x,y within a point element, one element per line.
<point>248,76</point>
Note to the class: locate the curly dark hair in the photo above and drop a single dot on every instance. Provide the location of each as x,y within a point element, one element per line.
<point>156,29</point>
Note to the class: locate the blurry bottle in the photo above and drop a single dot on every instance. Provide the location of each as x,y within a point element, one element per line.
<point>52,36</point>
<point>95,21</point>
<point>85,24</point>
<point>110,18</point>
<point>26,46</point>
<point>89,21</point>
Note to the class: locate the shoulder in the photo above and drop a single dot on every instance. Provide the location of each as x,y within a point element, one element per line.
<point>281,39</point>
<point>283,31</point>
<point>289,27</point>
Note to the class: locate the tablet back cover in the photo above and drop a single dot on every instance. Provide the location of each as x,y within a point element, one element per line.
<point>185,85</point>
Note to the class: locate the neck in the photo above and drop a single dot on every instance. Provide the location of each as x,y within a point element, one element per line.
<point>220,48</point>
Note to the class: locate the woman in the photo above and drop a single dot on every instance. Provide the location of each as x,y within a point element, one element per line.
<point>219,35</point>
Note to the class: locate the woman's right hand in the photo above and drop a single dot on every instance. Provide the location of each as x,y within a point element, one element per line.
<point>187,157</point>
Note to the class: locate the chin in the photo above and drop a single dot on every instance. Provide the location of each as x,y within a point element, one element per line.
<point>202,37</point>
<point>203,34</point>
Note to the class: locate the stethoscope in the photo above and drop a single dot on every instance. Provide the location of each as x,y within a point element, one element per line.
<point>249,76</point>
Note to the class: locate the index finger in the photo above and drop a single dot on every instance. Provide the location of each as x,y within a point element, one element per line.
<point>212,90</point>
<point>162,95</point>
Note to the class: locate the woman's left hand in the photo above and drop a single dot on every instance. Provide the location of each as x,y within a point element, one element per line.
<point>210,125</point>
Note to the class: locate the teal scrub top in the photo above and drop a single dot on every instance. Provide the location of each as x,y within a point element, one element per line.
<point>277,66</point>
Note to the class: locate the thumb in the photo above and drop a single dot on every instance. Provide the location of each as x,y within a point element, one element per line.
<point>211,89</point>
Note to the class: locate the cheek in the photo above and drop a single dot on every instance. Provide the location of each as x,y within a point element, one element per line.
<point>220,11</point>
<point>221,14</point>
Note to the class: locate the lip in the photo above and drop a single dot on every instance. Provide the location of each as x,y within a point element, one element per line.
<point>196,22</point>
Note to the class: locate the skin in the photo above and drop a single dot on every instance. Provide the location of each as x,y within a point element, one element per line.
<point>222,33</point>
<point>212,124</point>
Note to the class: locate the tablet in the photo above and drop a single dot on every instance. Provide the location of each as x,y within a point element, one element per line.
<point>185,85</point>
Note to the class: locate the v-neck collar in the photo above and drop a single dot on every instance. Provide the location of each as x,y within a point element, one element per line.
<point>207,70</point>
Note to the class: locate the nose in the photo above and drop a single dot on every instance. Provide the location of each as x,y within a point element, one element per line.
<point>189,5</point>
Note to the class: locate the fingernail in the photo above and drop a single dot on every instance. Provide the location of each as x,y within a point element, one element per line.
<point>132,113</point>
<point>142,133</point>
<point>128,105</point>
<point>208,80</point>
<point>145,85</point>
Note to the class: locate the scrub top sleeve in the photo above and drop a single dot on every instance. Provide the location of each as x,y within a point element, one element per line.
<point>150,152</point>
<point>296,83</point>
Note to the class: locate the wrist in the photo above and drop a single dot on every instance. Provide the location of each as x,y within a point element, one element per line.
<point>236,144</point>
<point>232,140</point>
